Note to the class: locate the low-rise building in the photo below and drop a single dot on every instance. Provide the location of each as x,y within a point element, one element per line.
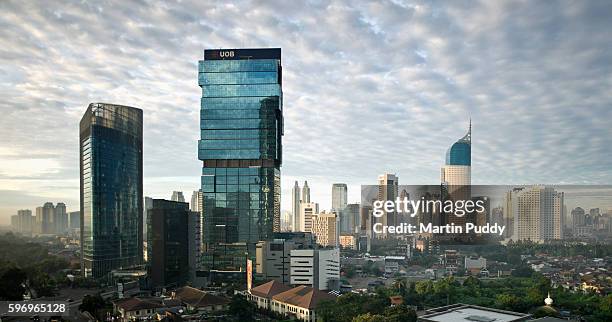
<point>134,308</point>
<point>300,302</point>
<point>199,301</point>
<point>469,313</point>
<point>348,242</point>
<point>262,295</point>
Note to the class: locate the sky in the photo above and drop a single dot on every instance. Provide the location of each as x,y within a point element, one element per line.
<point>369,87</point>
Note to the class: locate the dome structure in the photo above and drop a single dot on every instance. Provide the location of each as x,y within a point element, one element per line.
<point>548,301</point>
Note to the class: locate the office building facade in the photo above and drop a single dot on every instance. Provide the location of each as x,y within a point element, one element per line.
<point>318,268</point>
<point>240,148</point>
<point>111,201</point>
<point>537,213</point>
<point>325,229</point>
<point>273,259</point>
<point>177,196</point>
<point>171,251</point>
<point>295,206</point>
<point>339,196</point>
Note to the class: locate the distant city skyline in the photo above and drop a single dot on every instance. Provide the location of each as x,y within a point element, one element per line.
<point>534,78</point>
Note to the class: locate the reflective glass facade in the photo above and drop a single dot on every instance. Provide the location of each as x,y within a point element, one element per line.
<point>460,153</point>
<point>167,243</point>
<point>111,188</point>
<point>241,151</point>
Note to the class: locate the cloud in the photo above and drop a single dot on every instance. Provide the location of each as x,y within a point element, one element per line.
<point>368,87</point>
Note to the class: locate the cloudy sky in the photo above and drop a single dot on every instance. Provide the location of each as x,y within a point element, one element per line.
<point>368,87</point>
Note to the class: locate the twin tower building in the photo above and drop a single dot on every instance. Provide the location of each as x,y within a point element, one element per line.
<point>240,146</point>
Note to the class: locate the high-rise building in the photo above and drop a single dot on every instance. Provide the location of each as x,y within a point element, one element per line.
<point>168,243</point>
<point>286,221</point>
<point>325,229</point>
<point>273,259</point>
<point>44,219</point>
<point>295,206</point>
<point>537,213</point>
<point>196,201</point>
<point>148,204</point>
<point>339,196</point>
<point>177,196</point>
<point>240,149</point>
<point>307,210</point>
<point>456,174</point>
<point>318,268</point>
<point>387,190</point>
<point>350,219</point>
<point>60,218</point>
<point>74,219</point>
<point>306,193</point>
<point>111,188</point>
<point>25,221</point>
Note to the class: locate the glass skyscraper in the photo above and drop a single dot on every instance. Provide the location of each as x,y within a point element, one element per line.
<point>241,126</point>
<point>460,153</point>
<point>111,188</point>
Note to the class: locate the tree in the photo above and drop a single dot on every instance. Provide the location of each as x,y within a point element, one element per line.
<point>11,284</point>
<point>424,287</point>
<point>92,303</point>
<point>401,286</point>
<point>522,271</point>
<point>241,308</point>
<point>400,313</point>
<point>369,317</point>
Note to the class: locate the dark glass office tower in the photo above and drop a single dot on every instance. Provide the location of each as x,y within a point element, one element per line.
<point>111,188</point>
<point>240,148</point>
<point>168,243</point>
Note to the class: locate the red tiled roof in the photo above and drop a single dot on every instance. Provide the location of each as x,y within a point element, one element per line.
<point>269,289</point>
<point>303,296</point>
<point>197,298</point>
<point>134,304</point>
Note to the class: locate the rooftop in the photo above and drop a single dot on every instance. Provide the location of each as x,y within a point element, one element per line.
<point>303,296</point>
<point>471,313</point>
<point>197,298</point>
<point>269,289</point>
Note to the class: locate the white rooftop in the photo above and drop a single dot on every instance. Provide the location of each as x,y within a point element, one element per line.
<point>474,314</point>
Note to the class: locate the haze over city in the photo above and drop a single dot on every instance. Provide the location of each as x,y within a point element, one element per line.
<point>368,88</point>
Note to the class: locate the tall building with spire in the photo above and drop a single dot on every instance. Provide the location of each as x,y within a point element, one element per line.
<point>177,196</point>
<point>457,172</point>
<point>295,206</point>
<point>306,193</point>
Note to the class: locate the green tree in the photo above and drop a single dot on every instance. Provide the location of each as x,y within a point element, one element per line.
<point>241,308</point>
<point>400,313</point>
<point>11,284</point>
<point>369,317</point>
<point>424,287</point>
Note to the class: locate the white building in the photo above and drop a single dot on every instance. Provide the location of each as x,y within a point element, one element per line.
<point>196,201</point>
<point>316,268</point>
<point>307,210</point>
<point>387,190</point>
<point>538,214</point>
<point>177,196</point>
<point>295,207</point>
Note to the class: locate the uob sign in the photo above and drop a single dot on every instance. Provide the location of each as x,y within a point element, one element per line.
<point>226,54</point>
